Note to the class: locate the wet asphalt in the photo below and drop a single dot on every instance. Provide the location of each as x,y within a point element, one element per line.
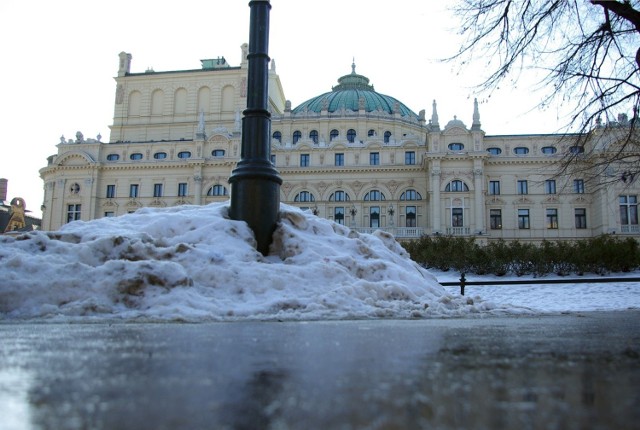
<point>574,371</point>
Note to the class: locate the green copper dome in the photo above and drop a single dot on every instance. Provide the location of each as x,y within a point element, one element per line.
<point>348,93</point>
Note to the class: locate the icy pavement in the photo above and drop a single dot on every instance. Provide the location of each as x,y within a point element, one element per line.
<point>526,372</point>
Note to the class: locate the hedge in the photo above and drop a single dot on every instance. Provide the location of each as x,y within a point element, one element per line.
<point>601,255</point>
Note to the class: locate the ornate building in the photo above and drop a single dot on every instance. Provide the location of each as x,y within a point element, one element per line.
<point>353,155</point>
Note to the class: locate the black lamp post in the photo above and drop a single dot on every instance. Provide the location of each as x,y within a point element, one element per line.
<point>255,183</point>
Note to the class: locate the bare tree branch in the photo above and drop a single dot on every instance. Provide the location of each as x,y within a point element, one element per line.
<point>589,53</point>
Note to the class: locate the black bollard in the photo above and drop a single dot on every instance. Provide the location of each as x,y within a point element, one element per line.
<point>462,282</point>
<point>255,183</point>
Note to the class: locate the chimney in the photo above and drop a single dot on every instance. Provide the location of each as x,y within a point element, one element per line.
<point>3,189</point>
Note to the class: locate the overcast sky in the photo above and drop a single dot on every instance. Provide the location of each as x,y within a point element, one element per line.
<point>60,57</point>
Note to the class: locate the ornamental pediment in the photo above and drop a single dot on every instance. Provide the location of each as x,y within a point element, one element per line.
<point>580,200</point>
<point>220,135</point>
<point>456,131</point>
<point>75,159</point>
<point>523,200</point>
<point>181,202</point>
<point>494,200</point>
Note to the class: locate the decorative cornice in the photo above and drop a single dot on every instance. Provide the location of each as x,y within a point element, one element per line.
<point>350,169</point>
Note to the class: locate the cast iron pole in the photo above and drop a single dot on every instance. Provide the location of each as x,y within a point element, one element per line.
<point>255,183</point>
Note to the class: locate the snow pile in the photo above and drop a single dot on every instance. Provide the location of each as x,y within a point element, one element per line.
<point>192,263</point>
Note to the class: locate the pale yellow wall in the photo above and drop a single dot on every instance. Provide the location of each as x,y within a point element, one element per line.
<point>160,112</point>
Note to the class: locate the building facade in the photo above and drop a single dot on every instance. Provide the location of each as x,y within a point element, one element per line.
<point>353,155</point>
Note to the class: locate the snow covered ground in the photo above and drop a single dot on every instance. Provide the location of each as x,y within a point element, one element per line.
<point>192,263</point>
<point>553,298</point>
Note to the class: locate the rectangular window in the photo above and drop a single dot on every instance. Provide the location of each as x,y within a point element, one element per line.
<point>494,188</point>
<point>73,212</point>
<point>629,210</point>
<point>374,158</point>
<point>552,218</point>
<point>304,160</point>
<point>578,186</point>
<point>338,215</point>
<point>410,216</point>
<point>133,190</point>
<point>457,217</point>
<point>111,191</point>
<point>273,159</point>
<point>495,218</point>
<point>581,217</point>
<point>523,219</point>
<point>109,214</point>
<point>409,157</point>
<point>374,216</point>
<point>550,186</point>
<point>157,190</point>
<point>523,187</point>
<point>183,189</point>
<point>339,159</point>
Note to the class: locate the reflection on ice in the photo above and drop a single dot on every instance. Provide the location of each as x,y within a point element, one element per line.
<point>457,373</point>
<point>15,408</point>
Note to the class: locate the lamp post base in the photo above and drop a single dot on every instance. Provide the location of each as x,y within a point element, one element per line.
<point>255,199</point>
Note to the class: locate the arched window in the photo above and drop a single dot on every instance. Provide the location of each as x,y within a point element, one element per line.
<point>277,136</point>
<point>304,196</point>
<point>134,103</point>
<point>387,136</point>
<point>160,155</point>
<point>456,186</point>
<point>521,150</point>
<point>411,195</point>
<point>374,196</point>
<point>136,156</point>
<point>313,135</point>
<point>339,196</point>
<point>113,157</point>
<point>494,151</point>
<point>296,136</point>
<point>351,135</point>
<point>157,102</point>
<point>548,150</point>
<point>371,132</point>
<point>456,147</point>
<point>334,133</point>
<point>180,101</point>
<point>184,154</point>
<point>217,190</point>
<point>218,152</point>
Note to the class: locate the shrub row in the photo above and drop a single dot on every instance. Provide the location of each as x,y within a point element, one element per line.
<point>600,255</point>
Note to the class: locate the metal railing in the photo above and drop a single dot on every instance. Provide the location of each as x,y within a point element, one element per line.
<point>463,282</point>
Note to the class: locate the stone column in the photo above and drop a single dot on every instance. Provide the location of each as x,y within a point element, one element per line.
<point>197,180</point>
<point>479,201</point>
<point>435,204</point>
